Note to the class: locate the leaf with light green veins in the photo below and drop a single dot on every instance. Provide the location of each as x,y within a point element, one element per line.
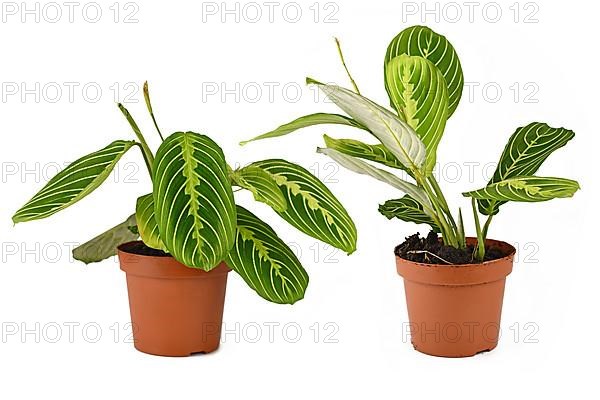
<point>265,262</point>
<point>372,152</point>
<point>73,183</point>
<point>423,42</point>
<point>361,167</point>
<point>105,245</point>
<point>193,200</point>
<point>262,185</point>
<point>306,121</point>
<point>419,94</point>
<point>311,207</point>
<point>397,136</point>
<point>146,222</point>
<point>525,151</point>
<point>407,209</point>
<point>527,189</point>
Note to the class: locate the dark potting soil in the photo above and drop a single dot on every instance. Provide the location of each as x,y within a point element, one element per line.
<point>420,249</point>
<point>141,249</point>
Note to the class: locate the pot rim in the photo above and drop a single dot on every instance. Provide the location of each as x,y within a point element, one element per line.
<point>164,267</point>
<point>470,240</point>
<point>121,249</point>
<point>459,274</point>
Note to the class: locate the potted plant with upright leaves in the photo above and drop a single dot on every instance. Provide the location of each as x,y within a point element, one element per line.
<point>454,284</point>
<point>192,233</point>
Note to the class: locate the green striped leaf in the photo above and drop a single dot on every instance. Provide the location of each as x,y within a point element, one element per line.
<point>193,200</point>
<point>105,245</point>
<point>372,152</point>
<point>305,121</point>
<point>397,136</point>
<point>525,151</point>
<point>362,167</point>
<point>419,94</point>
<point>146,222</point>
<point>262,185</point>
<point>527,189</point>
<point>311,207</point>
<point>73,183</point>
<point>423,42</point>
<point>407,209</point>
<point>265,262</point>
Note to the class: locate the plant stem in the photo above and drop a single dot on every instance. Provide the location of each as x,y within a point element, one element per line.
<point>339,48</point>
<point>447,224</point>
<point>149,107</point>
<point>438,191</point>
<point>486,226</point>
<point>148,156</point>
<point>480,251</point>
<point>461,230</point>
<point>448,235</point>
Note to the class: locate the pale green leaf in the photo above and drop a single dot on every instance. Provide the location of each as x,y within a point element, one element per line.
<point>105,245</point>
<point>396,135</point>
<point>372,152</point>
<point>362,167</point>
<point>306,121</point>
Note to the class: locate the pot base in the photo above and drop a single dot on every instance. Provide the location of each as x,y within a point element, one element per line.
<point>453,356</point>
<point>186,354</point>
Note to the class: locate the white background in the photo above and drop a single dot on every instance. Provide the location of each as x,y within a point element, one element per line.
<point>550,318</point>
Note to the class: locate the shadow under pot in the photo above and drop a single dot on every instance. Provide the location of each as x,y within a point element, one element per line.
<point>454,310</point>
<point>175,310</point>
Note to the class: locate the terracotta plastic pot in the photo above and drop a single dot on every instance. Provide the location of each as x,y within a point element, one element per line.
<point>175,310</point>
<point>454,310</point>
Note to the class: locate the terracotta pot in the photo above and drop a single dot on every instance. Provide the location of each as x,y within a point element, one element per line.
<point>454,310</point>
<point>175,310</point>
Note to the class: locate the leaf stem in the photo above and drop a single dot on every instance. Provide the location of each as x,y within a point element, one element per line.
<point>147,153</point>
<point>480,250</point>
<point>339,48</point>
<point>486,226</point>
<point>461,230</point>
<point>438,191</point>
<point>448,235</point>
<point>149,107</point>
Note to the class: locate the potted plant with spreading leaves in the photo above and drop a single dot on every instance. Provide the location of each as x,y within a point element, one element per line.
<point>192,233</point>
<point>454,284</point>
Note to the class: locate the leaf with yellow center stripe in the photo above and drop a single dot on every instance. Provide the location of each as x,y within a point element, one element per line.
<point>423,42</point>
<point>311,207</point>
<point>526,189</point>
<point>265,262</point>
<point>193,200</point>
<point>73,183</point>
<point>419,94</point>
<point>524,153</point>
